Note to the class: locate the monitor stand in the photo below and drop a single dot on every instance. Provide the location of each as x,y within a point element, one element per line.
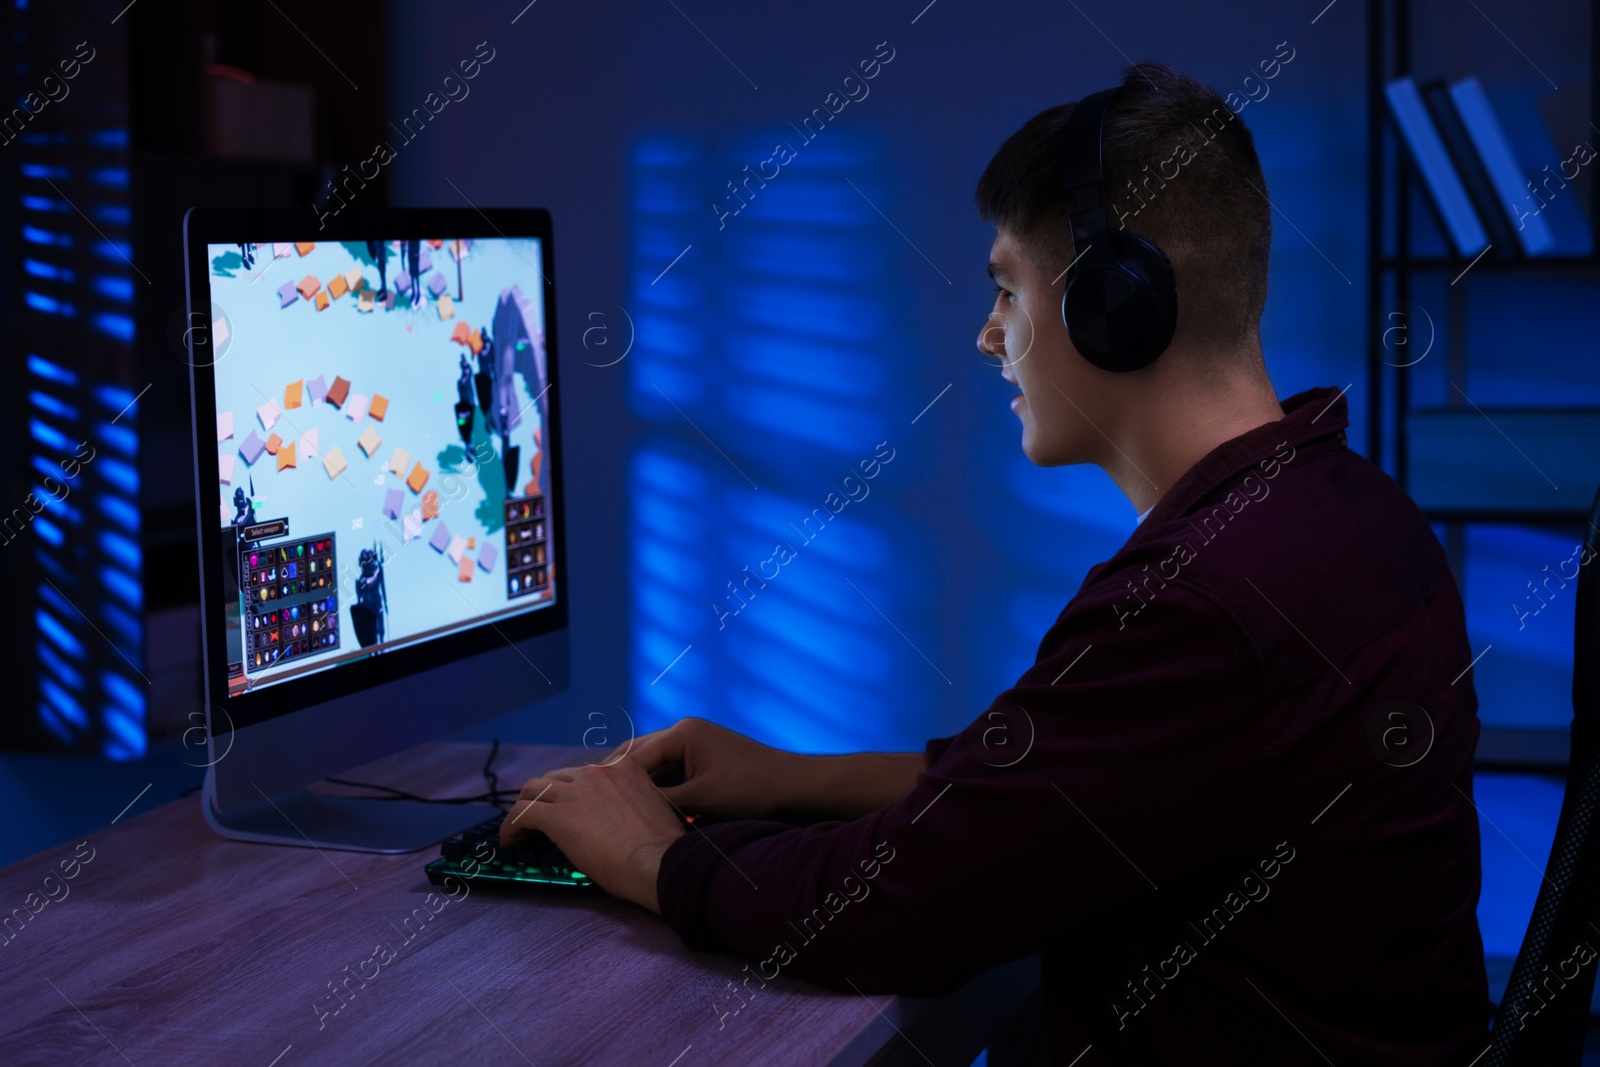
<point>350,824</point>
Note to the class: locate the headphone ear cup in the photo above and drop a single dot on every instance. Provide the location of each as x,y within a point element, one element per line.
<point>1121,316</point>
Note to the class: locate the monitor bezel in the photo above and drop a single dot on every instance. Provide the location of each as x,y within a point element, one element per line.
<point>207,226</point>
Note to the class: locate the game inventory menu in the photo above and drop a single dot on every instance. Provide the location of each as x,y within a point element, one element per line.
<point>527,565</point>
<point>291,600</point>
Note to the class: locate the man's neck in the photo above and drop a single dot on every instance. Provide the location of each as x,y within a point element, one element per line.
<point>1165,432</point>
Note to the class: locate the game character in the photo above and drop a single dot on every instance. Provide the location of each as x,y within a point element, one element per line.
<point>464,409</point>
<point>484,379</point>
<point>244,508</point>
<point>412,252</point>
<point>464,386</point>
<point>379,251</point>
<point>370,611</point>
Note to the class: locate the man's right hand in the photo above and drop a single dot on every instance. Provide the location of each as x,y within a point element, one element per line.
<point>730,776</point>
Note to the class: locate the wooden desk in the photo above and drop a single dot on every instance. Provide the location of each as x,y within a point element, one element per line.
<point>173,946</point>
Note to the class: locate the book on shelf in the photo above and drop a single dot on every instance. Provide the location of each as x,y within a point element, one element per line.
<point>1497,220</point>
<point>1439,175</point>
<point>1499,161</point>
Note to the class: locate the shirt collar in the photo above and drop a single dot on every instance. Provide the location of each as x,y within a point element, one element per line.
<point>1313,422</point>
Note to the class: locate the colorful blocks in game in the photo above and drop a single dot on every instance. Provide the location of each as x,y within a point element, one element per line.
<point>338,391</point>
<point>440,539</point>
<point>286,457</point>
<point>378,407</point>
<point>273,444</point>
<point>447,307</point>
<point>369,441</point>
<point>387,301</point>
<point>308,286</point>
<point>355,409</point>
<point>411,526</point>
<point>292,394</point>
<point>475,341</point>
<point>391,503</point>
<point>337,286</point>
<point>486,559</point>
<point>308,444</point>
<point>304,247</point>
<point>401,460</point>
<point>437,283</point>
<point>465,573</point>
<point>225,465</point>
<point>322,301</point>
<point>224,425</point>
<point>430,505</point>
<point>402,282</point>
<point>334,463</point>
<point>366,301</point>
<point>417,478</point>
<point>287,294</point>
<point>460,334</point>
<point>318,388</point>
<point>458,545</point>
<point>268,413</point>
<point>353,279</point>
<point>252,447</point>
<point>281,249</point>
<point>424,262</point>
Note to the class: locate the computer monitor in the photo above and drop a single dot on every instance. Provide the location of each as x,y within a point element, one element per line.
<point>378,470</point>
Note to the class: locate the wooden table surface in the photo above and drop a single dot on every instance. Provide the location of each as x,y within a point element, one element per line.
<point>174,946</point>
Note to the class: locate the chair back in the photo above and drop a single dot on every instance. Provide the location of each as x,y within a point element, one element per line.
<point>1543,1017</point>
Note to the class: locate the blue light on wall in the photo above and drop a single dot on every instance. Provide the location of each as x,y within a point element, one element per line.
<point>83,442</point>
<point>763,361</point>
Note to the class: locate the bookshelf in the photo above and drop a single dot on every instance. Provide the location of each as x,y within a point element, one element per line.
<point>1453,457</point>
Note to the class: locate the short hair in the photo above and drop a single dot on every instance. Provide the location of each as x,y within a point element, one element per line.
<point>1180,170</point>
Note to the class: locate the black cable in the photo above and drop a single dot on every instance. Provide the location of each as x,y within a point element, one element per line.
<point>401,794</point>
<point>490,776</point>
<point>493,796</point>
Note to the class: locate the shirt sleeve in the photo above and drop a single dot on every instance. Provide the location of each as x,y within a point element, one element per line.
<point>935,748</point>
<point>1114,762</point>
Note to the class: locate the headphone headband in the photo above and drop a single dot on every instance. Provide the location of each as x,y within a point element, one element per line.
<point>1085,127</point>
<point>1084,145</point>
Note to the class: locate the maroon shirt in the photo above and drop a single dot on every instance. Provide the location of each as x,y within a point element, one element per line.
<point>1230,801</point>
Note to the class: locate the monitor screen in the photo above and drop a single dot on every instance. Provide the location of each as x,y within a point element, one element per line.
<point>381,436</point>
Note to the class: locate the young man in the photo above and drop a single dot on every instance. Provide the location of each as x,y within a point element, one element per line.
<point>1231,800</point>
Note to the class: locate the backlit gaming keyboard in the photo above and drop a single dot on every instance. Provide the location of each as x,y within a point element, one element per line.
<point>476,856</point>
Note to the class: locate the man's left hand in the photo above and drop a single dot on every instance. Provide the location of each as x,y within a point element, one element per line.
<point>610,820</point>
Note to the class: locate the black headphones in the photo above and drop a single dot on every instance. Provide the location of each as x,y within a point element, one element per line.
<point>1121,302</point>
